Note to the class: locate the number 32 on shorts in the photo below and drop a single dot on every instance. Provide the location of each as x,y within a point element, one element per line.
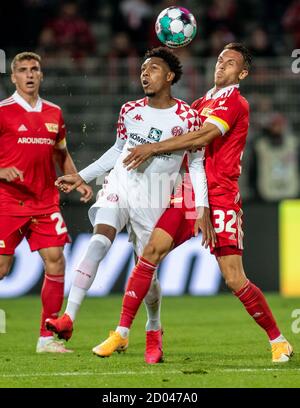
<point>59,227</point>
<point>224,221</point>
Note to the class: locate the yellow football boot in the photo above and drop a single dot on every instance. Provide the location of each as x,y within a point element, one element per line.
<point>281,352</point>
<point>115,342</point>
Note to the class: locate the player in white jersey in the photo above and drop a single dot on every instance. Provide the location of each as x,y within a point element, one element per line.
<point>136,199</point>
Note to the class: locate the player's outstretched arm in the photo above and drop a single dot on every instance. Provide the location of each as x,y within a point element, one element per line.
<point>69,182</point>
<point>189,141</point>
<point>67,166</point>
<point>104,164</point>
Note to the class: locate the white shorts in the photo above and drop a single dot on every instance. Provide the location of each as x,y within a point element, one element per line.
<point>114,207</point>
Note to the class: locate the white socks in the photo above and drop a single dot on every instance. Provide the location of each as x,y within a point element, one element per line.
<point>123,331</point>
<point>152,302</point>
<point>86,271</point>
<point>278,339</point>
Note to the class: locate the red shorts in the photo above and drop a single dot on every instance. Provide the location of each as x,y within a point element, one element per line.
<point>226,217</point>
<point>174,222</point>
<point>41,231</point>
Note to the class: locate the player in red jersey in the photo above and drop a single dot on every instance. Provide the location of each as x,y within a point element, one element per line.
<point>33,139</point>
<point>225,116</point>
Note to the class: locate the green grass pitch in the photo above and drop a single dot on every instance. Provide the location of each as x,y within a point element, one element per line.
<point>208,342</point>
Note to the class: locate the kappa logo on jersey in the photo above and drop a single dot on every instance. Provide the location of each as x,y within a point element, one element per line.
<point>113,197</point>
<point>52,127</point>
<point>155,134</point>
<point>138,117</point>
<point>2,244</point>
<point>206,112</point>
<point>22,128</point>
<point>177,131</point>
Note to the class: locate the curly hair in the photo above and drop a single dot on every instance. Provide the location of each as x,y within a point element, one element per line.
<point>170,58</point>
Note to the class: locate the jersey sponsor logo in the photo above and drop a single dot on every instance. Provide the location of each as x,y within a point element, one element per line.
<point>206,112</point>
<point>177,131</point>
<point>22,128</point>
<point>138,117</point>
<point>2,244</point>
<point>112,197</point>
<point>52,127</point>
<point>221,108</point>
<point>137,138</point>
<point>36,140</point>
<point>155,134</point>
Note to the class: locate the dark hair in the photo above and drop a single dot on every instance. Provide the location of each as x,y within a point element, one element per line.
<point>171,59</point>
<point>239,47</point>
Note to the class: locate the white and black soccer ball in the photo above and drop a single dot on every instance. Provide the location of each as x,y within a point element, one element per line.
<point>175,27</point>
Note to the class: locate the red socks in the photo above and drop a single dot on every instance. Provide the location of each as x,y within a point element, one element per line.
<point>52,296</point>
<point>257,307</point>
<point>137,288</point>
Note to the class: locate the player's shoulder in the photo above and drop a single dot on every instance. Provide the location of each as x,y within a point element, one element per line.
<point>7,102</point>
<point>234,96</point>
<point>130,105</point>
<point>51,105</point>
<point>197,103</point>
<point>185,110</point>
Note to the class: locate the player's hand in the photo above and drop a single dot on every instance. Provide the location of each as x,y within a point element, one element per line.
<point>138,155</point>
<point>86,192</point>
<point>204,224</point>
<point>11,173</point>
<point>68,182</point>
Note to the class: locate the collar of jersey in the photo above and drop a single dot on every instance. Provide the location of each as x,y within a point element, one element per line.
<point>21,101</point>
<point>220,91</point>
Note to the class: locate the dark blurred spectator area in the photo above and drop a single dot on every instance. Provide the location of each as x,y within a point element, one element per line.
<point>92,50</point>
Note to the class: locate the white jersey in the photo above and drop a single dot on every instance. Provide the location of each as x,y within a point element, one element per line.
<point>141,195</point>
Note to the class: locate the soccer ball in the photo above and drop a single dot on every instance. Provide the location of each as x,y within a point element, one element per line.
<point>175,27</point>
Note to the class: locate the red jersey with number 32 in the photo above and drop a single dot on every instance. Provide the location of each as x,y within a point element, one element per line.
<point>229,111</point>
<point>28,137</point>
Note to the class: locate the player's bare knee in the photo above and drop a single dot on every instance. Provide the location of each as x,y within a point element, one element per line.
<point>152,252</point>
<point>234,279</point>
<point>5,265</point>
<point>4,269</point>
<point>55,265</point>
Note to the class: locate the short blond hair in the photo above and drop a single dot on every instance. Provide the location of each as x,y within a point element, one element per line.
<point>26,55</point>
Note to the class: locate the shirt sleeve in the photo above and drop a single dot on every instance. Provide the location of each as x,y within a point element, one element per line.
<point>225,115</point>
<point>198,177</point>
<point>105,163</point>
<point>61,136</point>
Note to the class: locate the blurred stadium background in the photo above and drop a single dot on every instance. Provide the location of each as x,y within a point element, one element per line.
<point>91,56</point>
